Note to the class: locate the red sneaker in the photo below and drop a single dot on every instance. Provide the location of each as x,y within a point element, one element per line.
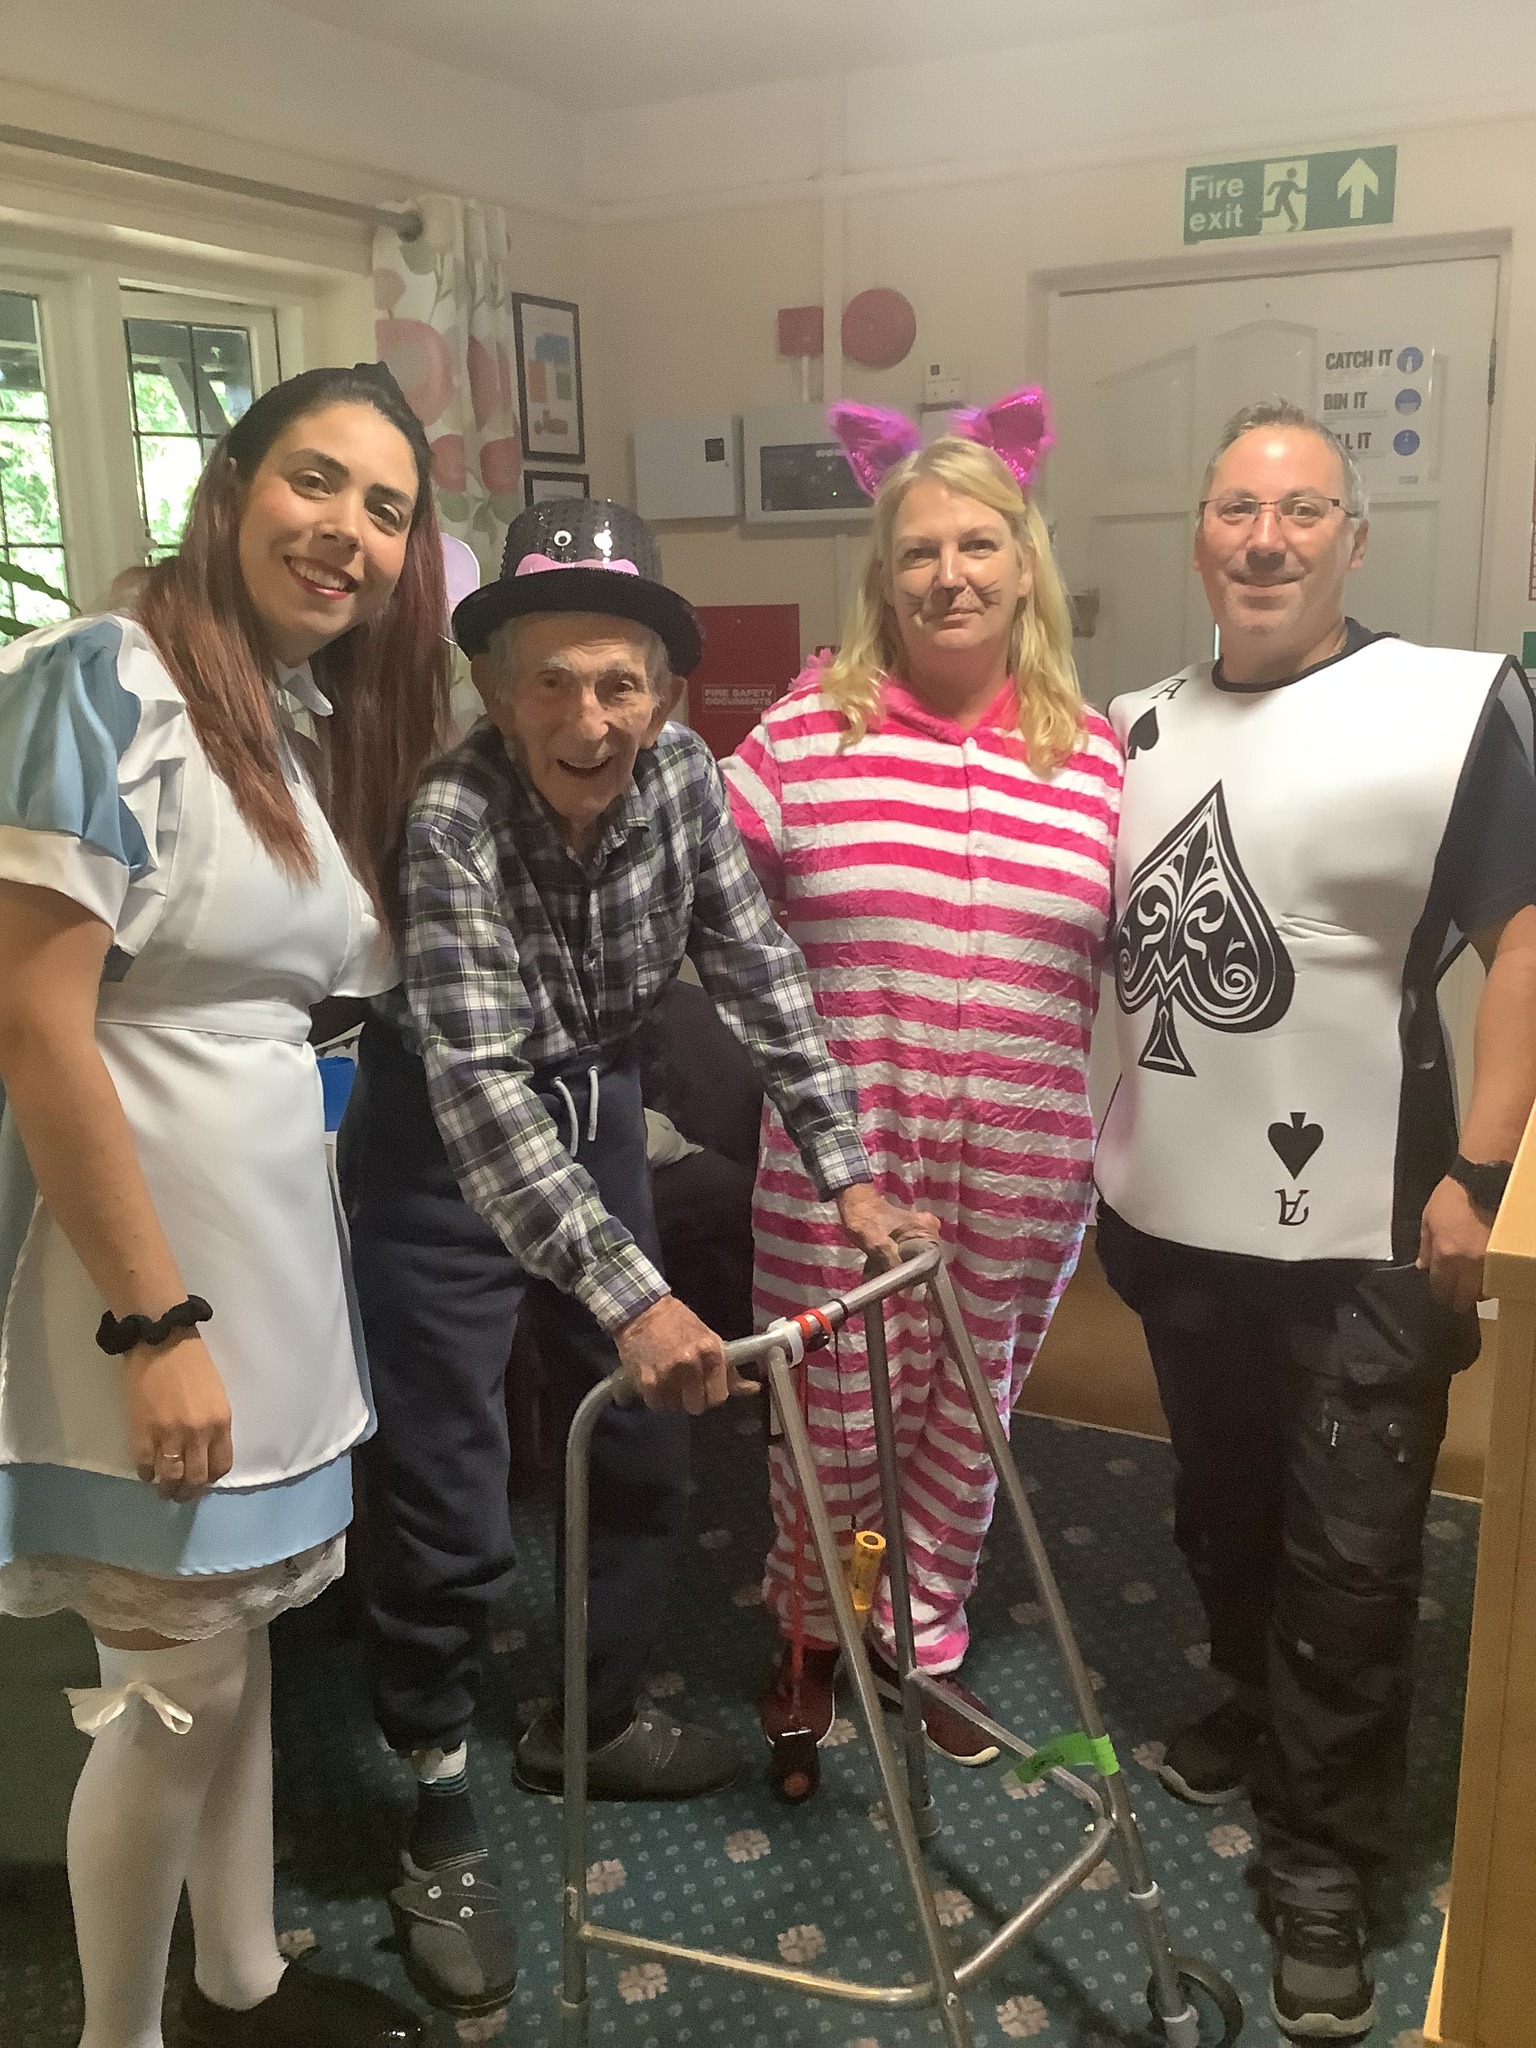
<point>950,1734</point>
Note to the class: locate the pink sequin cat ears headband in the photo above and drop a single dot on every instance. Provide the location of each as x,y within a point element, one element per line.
<point>1016,428</point>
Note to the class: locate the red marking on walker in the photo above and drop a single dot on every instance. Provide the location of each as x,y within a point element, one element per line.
<point>815,1328</point>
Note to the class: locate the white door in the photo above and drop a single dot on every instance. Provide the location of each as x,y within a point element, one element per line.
<point>1141,382</point>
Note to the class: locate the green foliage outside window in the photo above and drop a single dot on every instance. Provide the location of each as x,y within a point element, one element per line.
<point>33,576</point>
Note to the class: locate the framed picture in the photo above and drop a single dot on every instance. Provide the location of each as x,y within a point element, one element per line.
<point>540,485</point>
<point>549,376</point>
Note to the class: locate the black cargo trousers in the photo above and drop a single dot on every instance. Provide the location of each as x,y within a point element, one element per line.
<point>1306,1408</point>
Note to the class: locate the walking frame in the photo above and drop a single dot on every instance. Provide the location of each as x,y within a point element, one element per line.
<point>1186,1996</point>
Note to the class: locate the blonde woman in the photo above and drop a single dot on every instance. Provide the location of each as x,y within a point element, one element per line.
<point>932,813</point>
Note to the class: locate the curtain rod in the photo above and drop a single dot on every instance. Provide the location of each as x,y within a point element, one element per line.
<point>406,225</point>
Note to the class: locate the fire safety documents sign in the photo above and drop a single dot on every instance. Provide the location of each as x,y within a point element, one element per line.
<point>1336,188</point>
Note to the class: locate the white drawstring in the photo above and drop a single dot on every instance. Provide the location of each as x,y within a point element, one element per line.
<point>570,1110</point>
<point>93,1708</point>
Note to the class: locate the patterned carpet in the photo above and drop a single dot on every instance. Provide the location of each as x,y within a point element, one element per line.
<point>820,1884</point>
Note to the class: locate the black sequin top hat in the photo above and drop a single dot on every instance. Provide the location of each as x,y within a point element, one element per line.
<point>581,555</point>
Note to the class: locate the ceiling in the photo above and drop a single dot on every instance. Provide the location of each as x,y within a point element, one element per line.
<point>627,53</point>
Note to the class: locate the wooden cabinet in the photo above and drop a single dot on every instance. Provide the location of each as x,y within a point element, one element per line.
<point>1485,1988</point>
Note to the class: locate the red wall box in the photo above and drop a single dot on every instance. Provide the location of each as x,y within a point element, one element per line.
<point>751,656</point>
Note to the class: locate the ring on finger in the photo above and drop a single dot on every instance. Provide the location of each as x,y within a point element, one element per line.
<point>171,1463</point>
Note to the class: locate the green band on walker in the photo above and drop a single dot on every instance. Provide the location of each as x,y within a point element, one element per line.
<point>1062,1752</point>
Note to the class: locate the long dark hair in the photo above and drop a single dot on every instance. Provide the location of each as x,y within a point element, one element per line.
<point>387,679</point>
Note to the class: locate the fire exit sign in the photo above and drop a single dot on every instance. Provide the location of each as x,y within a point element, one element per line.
<point>1290,195</point>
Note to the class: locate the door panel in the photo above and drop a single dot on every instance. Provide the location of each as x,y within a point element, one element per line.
<point>1397,578</point>
<point>1145,561</point>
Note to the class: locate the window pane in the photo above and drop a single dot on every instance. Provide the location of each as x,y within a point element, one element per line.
<point>30,605</point>
<point>190,384</point>
<point>169,467</point>
<point>31,492</point>
<point>223,356</point>
<point>21,359</point>
<point>31,535</point>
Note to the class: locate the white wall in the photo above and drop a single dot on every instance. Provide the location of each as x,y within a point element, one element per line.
<point>1286,76</point>
<point>966,182</point>
<point>687,303</point>
<point>285,83</point>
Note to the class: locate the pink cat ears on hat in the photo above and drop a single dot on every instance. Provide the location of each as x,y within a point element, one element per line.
<point>1016,428</point>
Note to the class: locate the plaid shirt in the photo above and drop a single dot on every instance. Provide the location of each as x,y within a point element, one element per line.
<point>517,953</point>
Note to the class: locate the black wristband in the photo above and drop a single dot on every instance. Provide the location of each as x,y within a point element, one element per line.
<point>118,1335</point>
<point>1485,1184</point>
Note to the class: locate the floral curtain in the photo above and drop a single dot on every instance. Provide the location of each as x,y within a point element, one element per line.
<point>444,326</point>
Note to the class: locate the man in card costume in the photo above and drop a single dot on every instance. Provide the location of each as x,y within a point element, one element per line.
<point>1313,827</point>
<point>558,867</point>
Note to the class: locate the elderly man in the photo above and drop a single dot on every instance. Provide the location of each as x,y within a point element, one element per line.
<point>558,866</point>
<point>1313,827</point>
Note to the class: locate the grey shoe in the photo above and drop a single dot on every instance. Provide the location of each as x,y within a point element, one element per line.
<point>1208,1763</point>
<point>657,1757</point>
<point>1319,1989</point>
<point>457,1947</point>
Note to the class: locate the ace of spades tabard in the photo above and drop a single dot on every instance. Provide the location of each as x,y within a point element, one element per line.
<point>1194,936</point>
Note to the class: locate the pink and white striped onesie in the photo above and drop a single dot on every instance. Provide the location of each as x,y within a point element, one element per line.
<point>952,907</point>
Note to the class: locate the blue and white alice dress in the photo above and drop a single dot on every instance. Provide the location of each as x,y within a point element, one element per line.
<point>107,797</point>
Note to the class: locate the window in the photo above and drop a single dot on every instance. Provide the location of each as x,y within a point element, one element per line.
<point>31,530</point>
<point>113,391</point>
<point>193,369</point>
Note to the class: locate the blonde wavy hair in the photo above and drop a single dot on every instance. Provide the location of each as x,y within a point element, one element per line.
<point>1049,718</point>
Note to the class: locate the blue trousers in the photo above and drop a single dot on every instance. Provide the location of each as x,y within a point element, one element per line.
<point>440,1297</point>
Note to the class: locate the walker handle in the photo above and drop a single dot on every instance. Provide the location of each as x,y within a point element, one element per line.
<point>814,1327</point>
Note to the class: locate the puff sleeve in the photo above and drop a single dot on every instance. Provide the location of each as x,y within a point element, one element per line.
<point>91,743</point>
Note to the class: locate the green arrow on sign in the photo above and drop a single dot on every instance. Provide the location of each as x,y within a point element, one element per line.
<point>1355,183</point>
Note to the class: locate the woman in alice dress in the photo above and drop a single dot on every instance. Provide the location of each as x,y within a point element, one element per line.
<point>174,896</point>
<point>933,815</point>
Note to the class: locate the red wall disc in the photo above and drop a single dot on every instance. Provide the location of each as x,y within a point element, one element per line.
<point>879,328</point>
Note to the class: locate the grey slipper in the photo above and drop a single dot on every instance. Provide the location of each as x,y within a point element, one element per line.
<point>656,1757</point>
<point>458,1950</point>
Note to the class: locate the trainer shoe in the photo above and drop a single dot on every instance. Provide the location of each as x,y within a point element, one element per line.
<point>1319,1990</point>
<point>657,1757</point>
<point>949,1733</point>
<point>1208,1763</point>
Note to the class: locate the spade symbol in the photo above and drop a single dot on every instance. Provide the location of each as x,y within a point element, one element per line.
<point>1143,735</point>
<point>1195,935</point>
<point>1296,1141</point>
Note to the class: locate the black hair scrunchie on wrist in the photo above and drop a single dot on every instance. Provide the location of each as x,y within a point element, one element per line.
<point>118,1335</point>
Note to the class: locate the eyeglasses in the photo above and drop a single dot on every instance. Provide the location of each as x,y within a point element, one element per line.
<point>1300,511</point>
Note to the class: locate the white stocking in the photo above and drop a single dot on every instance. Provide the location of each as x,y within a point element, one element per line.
<point>135,1818</point>
<point>229,1879</point>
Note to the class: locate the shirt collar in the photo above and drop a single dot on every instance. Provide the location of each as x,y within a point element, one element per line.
<point>299,684</point>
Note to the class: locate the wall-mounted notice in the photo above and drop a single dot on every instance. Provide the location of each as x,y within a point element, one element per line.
<point>1331,188</point>
<point>1380,395</point>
